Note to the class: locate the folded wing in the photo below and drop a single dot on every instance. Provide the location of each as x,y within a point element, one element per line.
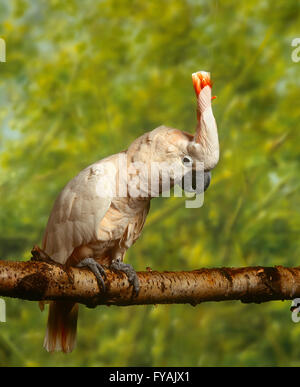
<point>77,212</point>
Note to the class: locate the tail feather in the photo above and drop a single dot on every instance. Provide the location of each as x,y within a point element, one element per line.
<point>62,326</point>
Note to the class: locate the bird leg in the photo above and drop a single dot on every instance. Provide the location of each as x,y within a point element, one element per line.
<point>118,264</point>
<point>96,268</point>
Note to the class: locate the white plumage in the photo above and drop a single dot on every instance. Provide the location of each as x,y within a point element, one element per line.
<point>91,225</point>
<point>76,214</point>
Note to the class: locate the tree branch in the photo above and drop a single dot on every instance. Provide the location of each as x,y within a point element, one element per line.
<point>42,281</point>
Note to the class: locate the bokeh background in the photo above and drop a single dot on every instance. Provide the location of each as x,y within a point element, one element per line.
<point>82,80</point>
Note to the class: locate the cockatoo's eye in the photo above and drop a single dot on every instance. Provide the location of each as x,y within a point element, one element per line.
<point>187,161</point>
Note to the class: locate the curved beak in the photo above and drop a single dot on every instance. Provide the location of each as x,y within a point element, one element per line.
<point>196,181</point>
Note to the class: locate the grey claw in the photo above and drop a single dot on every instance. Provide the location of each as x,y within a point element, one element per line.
<point>126,268</point>
<point>96,268</point>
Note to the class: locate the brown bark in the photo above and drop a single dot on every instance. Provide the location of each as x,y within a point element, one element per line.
<point>43,281</point>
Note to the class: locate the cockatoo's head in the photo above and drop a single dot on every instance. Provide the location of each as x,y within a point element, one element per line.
<point>169,153</point>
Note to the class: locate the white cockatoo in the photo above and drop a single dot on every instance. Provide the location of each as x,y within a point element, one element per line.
<point>101,212</point>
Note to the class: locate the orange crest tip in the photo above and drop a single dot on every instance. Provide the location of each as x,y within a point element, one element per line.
<point>200,80</point>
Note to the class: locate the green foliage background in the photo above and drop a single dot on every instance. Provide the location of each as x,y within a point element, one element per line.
<point>85,78</point>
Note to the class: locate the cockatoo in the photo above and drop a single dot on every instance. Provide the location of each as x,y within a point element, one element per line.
<point>92,225</point>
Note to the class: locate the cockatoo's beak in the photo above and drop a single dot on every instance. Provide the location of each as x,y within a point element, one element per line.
<point>196,184</point>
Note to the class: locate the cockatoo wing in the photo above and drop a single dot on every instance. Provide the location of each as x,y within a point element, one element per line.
<point>78,211</point>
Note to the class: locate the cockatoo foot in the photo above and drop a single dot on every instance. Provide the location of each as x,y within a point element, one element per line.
<point>96,268</point>
<point>126,268</point>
